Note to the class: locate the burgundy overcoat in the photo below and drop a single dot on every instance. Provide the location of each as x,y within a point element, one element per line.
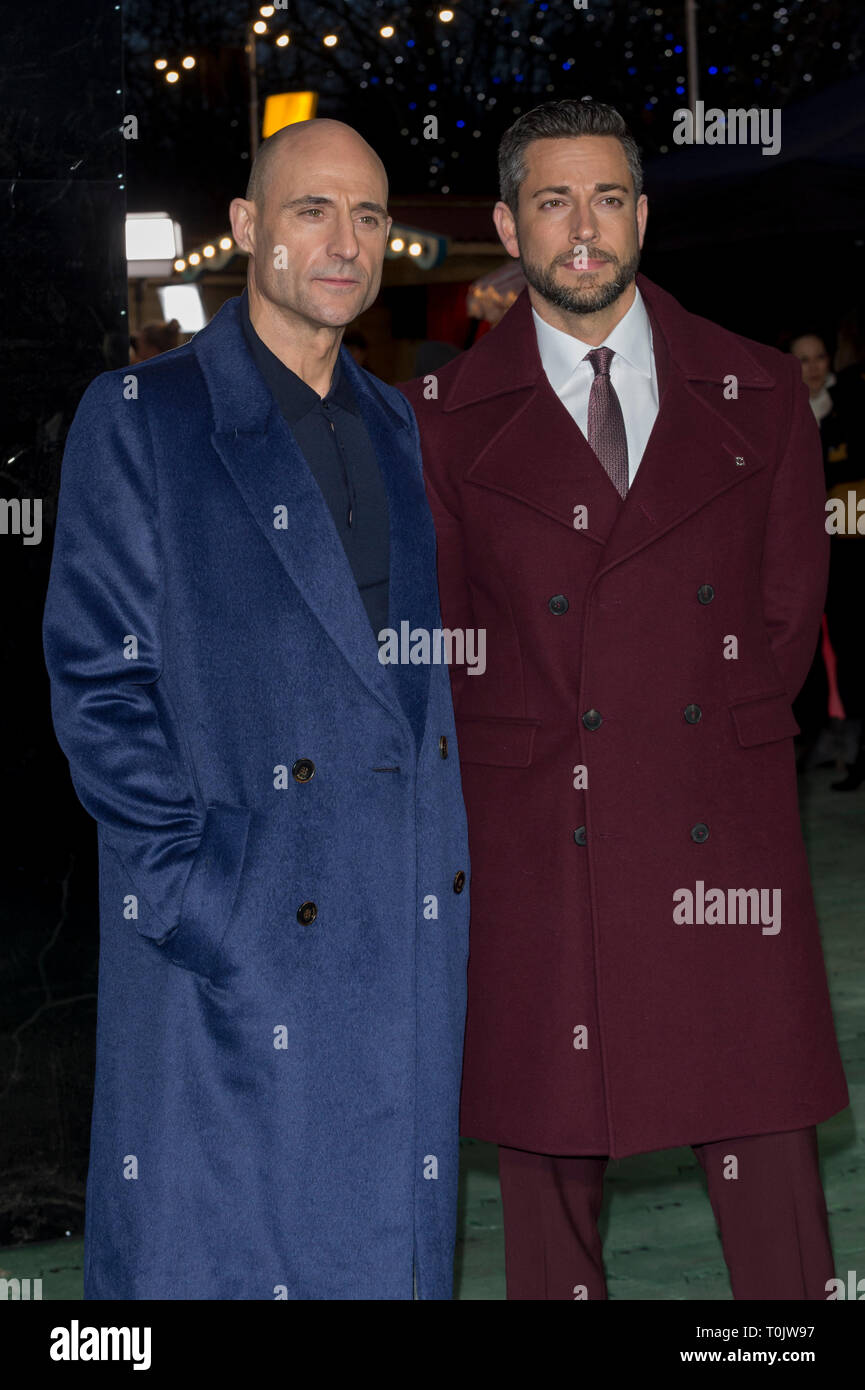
<point>657,644</point>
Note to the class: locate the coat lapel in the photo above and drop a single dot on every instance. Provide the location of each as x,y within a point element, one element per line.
<point>413,593</point>
<point>259,452</point>
<point>695,452</point>
<point>537,455</point>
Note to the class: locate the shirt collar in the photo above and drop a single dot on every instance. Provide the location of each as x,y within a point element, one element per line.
<point>294,396</point>
<point>561,353</point>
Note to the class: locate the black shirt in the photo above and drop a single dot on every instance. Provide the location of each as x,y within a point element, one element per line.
<point>332,436</point>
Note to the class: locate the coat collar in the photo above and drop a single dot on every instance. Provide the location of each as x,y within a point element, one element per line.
<point>507,359</point>
<point>259,452</point>
<point>537,455</point>
<point>561,354</point>
<point>294,398</point>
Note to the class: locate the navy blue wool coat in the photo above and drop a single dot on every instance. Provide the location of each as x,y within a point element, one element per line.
<point>276,1093</point>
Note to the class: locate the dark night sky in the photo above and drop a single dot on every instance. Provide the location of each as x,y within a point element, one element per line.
<point>475,73</point>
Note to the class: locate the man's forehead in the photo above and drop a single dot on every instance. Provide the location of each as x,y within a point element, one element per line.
<point>297,176</point>
<point>570,147</point>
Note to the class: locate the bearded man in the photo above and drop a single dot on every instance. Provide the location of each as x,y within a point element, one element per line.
<point>629,500</point>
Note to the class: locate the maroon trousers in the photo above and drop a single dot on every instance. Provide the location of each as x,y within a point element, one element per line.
<point>765,1192</point>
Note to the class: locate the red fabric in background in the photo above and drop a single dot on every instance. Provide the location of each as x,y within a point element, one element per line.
<point>836,709</point>
<point>447,320</point>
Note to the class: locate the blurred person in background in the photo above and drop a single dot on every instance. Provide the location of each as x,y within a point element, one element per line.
<point>842,431</point>
<point>813,354</point>
<point>838,403</point>
<point>152,339</point>
<point>811,706</point>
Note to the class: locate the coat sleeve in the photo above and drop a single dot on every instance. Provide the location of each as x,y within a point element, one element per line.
<point>454,591</point>
<point>796,544</point>
<point>103,650</point>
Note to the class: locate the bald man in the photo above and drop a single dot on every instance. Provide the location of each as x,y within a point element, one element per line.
<point>282,842</point>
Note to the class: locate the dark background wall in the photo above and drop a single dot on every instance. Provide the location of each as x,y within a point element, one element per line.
<point>64,319</point>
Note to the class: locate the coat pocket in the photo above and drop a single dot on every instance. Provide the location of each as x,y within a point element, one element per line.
<point>764,720</point>
<point>497,742</point>
<point>211,890</point>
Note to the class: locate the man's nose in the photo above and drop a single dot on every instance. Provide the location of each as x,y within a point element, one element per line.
<point>583,226</point>
<point>344,244</point>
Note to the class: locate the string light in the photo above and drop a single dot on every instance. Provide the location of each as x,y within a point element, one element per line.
<point>387,31</point>
<point>397,244</point>
<point>172,75</point>
<point>220,250</point>
<point>330,40</point>
<point>283,40</point>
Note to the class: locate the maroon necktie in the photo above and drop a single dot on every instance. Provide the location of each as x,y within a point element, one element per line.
<point>606,424</point>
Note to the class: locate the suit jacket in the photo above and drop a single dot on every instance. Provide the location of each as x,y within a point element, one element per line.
<point>631,741</point>
<point>283,943</point>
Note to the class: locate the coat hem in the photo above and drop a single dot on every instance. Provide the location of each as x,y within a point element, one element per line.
<point>598,1149</point>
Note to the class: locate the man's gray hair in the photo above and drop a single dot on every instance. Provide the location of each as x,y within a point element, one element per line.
<point>557,120</point>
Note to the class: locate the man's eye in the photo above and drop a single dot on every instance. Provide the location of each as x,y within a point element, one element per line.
<point>307,211</point>
<point>611,199</point>
<point>369,217</point>
<point>548,202</point>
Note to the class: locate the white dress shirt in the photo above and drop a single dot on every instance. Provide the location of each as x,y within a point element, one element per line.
<point>822,403</point>
<point>632,373</point>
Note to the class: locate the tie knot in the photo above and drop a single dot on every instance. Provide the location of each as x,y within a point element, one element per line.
<point>600,359</point>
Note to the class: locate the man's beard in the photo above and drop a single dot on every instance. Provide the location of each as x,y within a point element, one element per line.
<point>589,300</point>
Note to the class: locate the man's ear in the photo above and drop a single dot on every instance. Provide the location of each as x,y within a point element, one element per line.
<point>506,228</point>
<point>242,215</point>
<point>642,216</point>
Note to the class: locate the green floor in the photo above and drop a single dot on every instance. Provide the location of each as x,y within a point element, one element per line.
<point>659,1234</point>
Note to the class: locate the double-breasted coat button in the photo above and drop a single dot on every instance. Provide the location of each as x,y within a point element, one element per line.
<point>443,746</point>
<point>303,769</point>
<point>459,881</point>
<point>592,719</point>
<point>558,604</point>
<point>580,835</point>
<point>693,714</point>
<point>306,913</point>
<point>699,832</point>
<point>705,593</point>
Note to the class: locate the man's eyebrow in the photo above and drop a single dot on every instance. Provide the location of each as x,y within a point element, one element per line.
<point>566,188</point>
<point>318,200</point>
